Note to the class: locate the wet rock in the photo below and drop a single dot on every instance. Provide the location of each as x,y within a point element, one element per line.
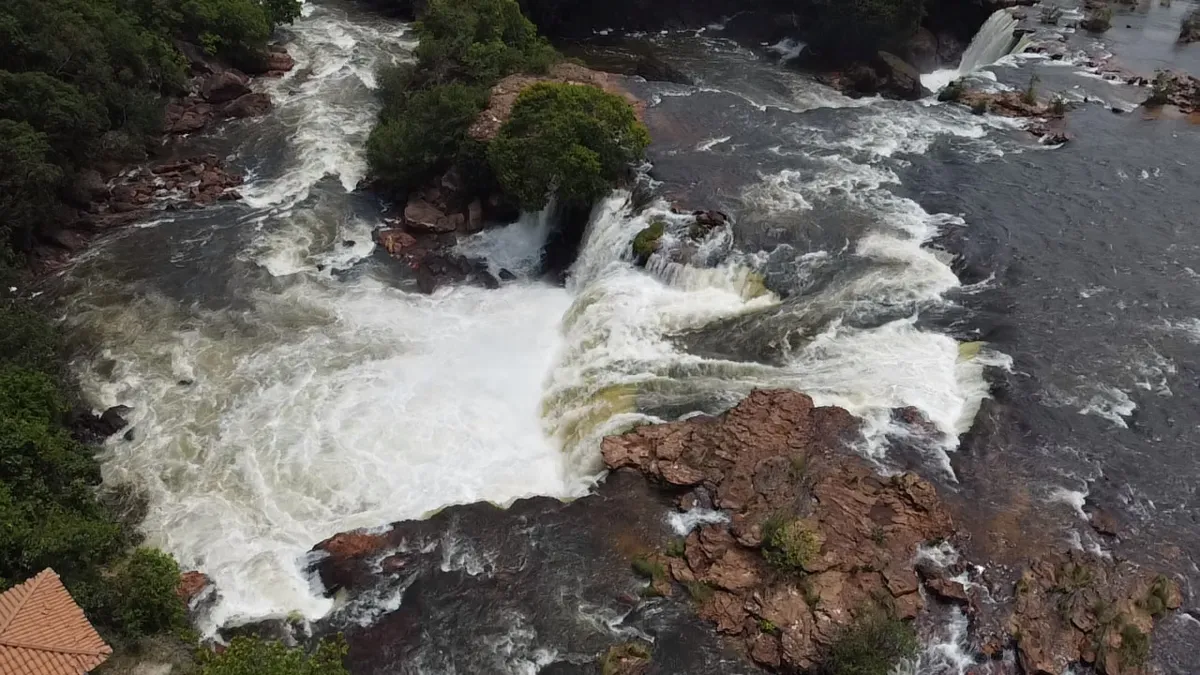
<point>901,79</point>
<point>187,116</point>
<point>273,63</point>
<point>247,105</point>
<point>129,436</point>
<point>776,459</point>
<point>949,591</point>
<point>653,68</point>
<point>87,187</point>
<point>113,419</point>
<point>921,50</point>
<point>1104,522</point>
<point>348,243</point>
<point>505,275</point>
<point>191,585</point>
<point>475,216</point>
<point>69,240</point>
<point>422,216</point>
<point>224,86</point>
<point>1178,89</point>
<point>394,240</point>
<point>186,383</point>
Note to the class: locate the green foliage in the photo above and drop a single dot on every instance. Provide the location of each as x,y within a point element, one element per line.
<point>137,594</point>
<point>82,81</point>
<point>649,568</point>
<point>1029,96</point>
<point>423,133</point>
<point>872,646</point>
<point>1158,597</point>
<point>567,140</point>
<point>676,547</point>
<point>861,27</point>
<point>1058,106</point>
<point>953,91</point>
<point>1135,646</point>
<point>249,656</point>
<point>767,627</point>
<point>789,543</point>
<point>1161,89</point>
<point>646,241</point>
<point>622,658</point>
<point>478,41</point>
<point>465,47</point>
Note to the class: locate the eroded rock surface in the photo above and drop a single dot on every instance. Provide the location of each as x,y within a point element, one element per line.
<point>775,461</point>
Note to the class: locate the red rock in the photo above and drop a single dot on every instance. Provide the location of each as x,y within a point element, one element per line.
<point>224,86</point>
<point>395,241</point>
<point>248,105</point>
<point>421,216</point>
<point>352,544</point>
<point>191,585</point>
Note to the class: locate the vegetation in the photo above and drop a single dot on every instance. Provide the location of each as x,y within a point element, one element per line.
<point>1161,89</point>
<point>649,568</point>
<point>49,514</point>
<point>466,46</point>
<point>1098,20</point>
<point>247,656</point>
<point>953,91</point>
<point>1029,96</point>
<point>567,140</point>
<point>860,27</point>
<point>874,645</point>
<point>645,243</point>
<point>83,81</point>
<point>789,543</point>
<point>677,547</point>
<point>699,591</point>
<point>1158,597</point>
<point>1058,105</point>
<point>1135,646</point>
<point>620,658</point>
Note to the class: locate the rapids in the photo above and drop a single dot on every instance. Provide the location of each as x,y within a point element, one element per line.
<point>288,383</point>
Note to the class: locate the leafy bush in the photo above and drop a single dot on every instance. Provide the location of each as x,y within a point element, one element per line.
<point>861,27</point>
<point>872,646</point>
<point>478,41</point>
<point>789,543</point>
<point>568,140</point>
<point>248,656</point>
<point>28,182</point>
<point>137,595</point>
<point>423,133</point>
<point>1161,89</point>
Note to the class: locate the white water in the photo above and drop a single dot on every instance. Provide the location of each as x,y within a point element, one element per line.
<point>993,41</point>
<point>321,406</point>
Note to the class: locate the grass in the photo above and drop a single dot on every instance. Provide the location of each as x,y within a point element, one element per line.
<point>676,547</point>
<point>1157,597</point>
<point>1135,646</point>
<point>874,645</point>
<point>767,627</point>
<point>1029,96</point>
<point>648,568</point>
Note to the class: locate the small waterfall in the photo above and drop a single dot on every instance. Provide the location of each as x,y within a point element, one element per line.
<point>994,41</point>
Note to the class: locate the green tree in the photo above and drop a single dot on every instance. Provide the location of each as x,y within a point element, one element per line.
<point>423,134</point>
<point>71,121</point>
<point>28,181</point>
<point>248,656</point>
<point>479,41</point>
<point>856,28</point>
<point>573,141</point>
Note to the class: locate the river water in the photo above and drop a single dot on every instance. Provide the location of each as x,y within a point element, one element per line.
<point>287,382</point>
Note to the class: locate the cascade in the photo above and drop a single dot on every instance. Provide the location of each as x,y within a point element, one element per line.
<point>993,41</point>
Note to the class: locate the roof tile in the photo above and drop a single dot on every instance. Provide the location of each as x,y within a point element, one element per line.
<point>43,631</point>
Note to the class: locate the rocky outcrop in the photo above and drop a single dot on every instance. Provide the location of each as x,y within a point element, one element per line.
<point>1178,89</point>
<point>1080,608</point>
<point>504,94</point>
<point>887,75</point>
<point>219,93</point>
<point>1189,30</point>
<point>815,539</point>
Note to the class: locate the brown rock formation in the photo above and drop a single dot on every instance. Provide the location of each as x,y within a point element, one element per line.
<point>1073,607</point>
<point>504,94</point>
<point>191,585</point>
<point>840,539</point>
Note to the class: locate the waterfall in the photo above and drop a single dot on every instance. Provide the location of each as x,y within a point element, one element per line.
<point>994,41</point>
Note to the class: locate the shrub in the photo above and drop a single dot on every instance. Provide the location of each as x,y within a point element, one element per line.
<point>137,595</point>
<point>423,133</point>
<point>1161,89</point>
<point>861,27</point>
<point>1029,96</point>
<point>1058,106</point>
<point>789,543</point>
<point>677,547</point>
<point>568,140</point>
<point>953,91</point>
<point>28,182</point>
<point>649,568</point>
<point>1135,646</point>
<point>874,645</point>
<point>478,41</point>
<point>699,591</point>
<point>249,656</point>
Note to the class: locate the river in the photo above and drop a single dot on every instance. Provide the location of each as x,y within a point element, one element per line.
<point>287,382</point>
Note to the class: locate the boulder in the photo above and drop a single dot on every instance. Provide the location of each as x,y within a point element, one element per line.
<point>475,216</point>
<point>901,79</point>
<point>922,50</point>
<point>191,585</point>
<point>421,216</point>
<point>273,63</point>
<point>248,105</point>
<point>224,86</point>
<point>395,240</point>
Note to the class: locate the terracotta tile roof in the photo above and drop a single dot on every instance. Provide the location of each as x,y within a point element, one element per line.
<point>43,631</point>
